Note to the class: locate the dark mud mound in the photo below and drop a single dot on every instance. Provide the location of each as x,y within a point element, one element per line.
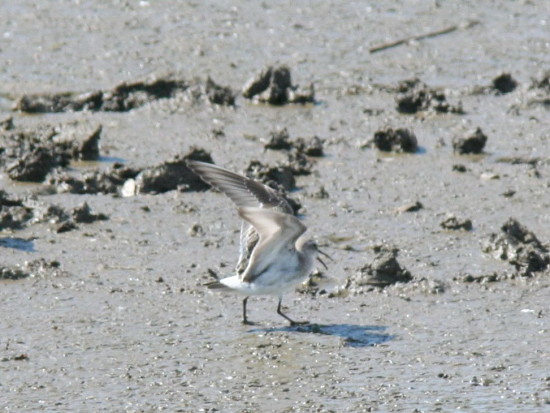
<point>456,224</point>
<point>500,85</point>
<point>174,174</point>
<point>471,142</point>
<point>298,162</point>
<point>504,83</point>
<point>29,154</point>
<point>219,95</point>
<point>92,182</point>
<point>395,140</point>
<point>415,96</point>
<point>384,270</point>
<point>280,140</point>
<point>122,98</point>
<point>273,85</point>
<point>83,214</point>
<point>520,247</point>
<point>128,181</point>
<point>277,177</point>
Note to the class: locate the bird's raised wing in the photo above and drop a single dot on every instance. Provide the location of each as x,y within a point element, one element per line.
<point>243,191</point>
<point>277,231</point>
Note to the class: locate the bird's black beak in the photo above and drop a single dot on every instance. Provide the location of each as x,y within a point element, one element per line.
<point>324,254</point>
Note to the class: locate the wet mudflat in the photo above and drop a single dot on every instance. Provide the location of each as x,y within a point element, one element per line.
<point>423,169</point>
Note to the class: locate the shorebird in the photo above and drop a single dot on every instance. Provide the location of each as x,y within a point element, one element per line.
<point>273,255</point>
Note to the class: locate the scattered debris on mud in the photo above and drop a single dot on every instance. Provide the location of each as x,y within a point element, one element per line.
<point>29,154</point>
<point>273,85</point>
<point>520,247</point>
<point>394,140</point>
<point>384,270</point>
<point>471,142</point>
<point>122,98</point>
<point>456,224</point>
<point>415,96</point>
<point>39,268</point>
<point>483,278</point>
<point>16,213</point>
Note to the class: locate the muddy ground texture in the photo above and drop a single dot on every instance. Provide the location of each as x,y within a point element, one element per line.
<point>423,170</point>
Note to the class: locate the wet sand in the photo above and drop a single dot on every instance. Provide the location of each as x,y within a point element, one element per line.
<point>122,321</point>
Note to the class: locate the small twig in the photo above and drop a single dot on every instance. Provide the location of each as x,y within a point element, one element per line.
<point>422,36</point>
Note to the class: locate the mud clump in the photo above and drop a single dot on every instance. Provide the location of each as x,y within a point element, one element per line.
<point>13,213</point>
<point>219,95</point>
<point>472,142</point>
<point>280,140</point>
<point>273,85</point>
<point>92,182</point>
<point>39,268</point>
<point>415,96</point>
<point>274,176</point>
<point>384,270</point>
<point>455,224</point>
<point>83,214</point>
<point>174,174</point>
<point>121,98</point>
<point>504,83</point>
<point>80,214</point>
<point>17,213</point>
<point>541,82</point>
<point>520,247</point>
<point>280,178</point>
<point>317,284</point>
<point>12,273</point>
<point>128,181</point>
<point>30,154</point>
<point>35,165</point>
<point>481,279</point>
<point>395,140</point>
<point>7,124</point>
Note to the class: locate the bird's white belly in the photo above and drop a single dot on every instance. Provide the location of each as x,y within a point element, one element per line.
<point>274,281</point>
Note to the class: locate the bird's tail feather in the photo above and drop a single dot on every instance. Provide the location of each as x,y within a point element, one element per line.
<point>216,285</point>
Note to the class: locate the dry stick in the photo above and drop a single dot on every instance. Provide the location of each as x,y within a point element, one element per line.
<point>422,36</point>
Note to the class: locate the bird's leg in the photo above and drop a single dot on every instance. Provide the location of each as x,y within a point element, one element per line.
<point>245,320</point>
<point>292,322</point>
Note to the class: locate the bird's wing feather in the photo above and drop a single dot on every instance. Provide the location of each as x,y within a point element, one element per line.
<point>277,231</point>
<point>244,192</point>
